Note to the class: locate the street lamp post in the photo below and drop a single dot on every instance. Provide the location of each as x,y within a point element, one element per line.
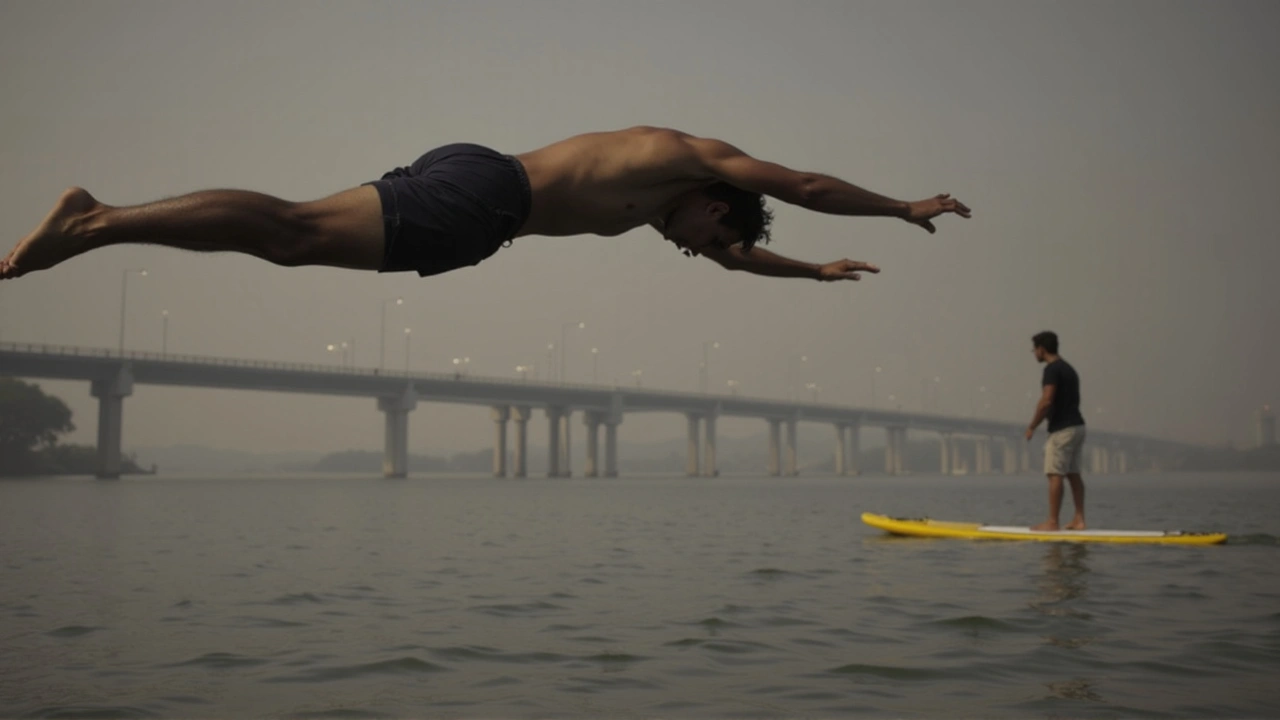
<point>124,292</point>
<point>340,347</point>
<point>595,365</point>
<point>382,338</point>
<point>982,390</point>
<point>636,374</point>
<point>460,365</point>
<point>524,371</point>
<point>407,333</point>
<point>813,391</point>
<point>164,332</point>
<point>792,380</point>
<point>733,387</point>
<point>704,381</point>
<point>875,399</point>
<point>563,343</point>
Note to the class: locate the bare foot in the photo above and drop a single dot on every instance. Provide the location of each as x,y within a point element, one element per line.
<point>55,239</point>
<point>1046,526</point>
<point>1076,524</point>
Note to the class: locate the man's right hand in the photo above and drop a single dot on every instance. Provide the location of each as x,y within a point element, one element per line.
<point>845,270</point>
<point>921,212</point>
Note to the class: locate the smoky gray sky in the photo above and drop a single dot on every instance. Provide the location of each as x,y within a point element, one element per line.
<point>1120,159</point>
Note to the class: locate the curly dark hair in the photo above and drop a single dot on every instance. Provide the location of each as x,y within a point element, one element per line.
<point>747,214</point>
<point>1047,340</point>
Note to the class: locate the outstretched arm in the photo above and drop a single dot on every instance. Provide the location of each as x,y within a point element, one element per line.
<point>770,264</point>
<point>814,191</point>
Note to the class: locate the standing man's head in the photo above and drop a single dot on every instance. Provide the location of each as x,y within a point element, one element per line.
<point>1045,346</point>
<point>718,216</point>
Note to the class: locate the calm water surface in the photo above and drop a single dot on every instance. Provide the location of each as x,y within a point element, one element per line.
<point>735,597</point>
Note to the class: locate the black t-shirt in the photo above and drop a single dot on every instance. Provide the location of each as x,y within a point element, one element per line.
<point>1065,412</point>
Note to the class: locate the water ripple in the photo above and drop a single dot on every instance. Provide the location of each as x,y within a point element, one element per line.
<point>399,666</point>
<point>221,661</point>
<point>72,631</point>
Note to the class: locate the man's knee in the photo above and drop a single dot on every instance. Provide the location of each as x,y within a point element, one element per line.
<point>343,230</point>
<point>297,238</point>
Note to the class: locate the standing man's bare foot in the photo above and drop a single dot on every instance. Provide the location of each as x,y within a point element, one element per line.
<point>57,238</point>
<point>1046,526</point>
<point>1077,523</point>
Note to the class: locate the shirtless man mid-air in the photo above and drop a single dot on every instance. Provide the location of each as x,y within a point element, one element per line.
<point>458,204</point>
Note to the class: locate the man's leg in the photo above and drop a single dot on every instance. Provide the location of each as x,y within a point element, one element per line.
<point>1077,497</point>
<point>1055,504</point>
<point>343,230</point>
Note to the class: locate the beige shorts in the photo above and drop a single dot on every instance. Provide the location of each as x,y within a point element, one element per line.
<point>1062,451</point>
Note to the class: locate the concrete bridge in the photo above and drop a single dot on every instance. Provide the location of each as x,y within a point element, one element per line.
<point>968,445</point>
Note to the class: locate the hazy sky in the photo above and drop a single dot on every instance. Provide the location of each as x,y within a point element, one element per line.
<point>1120,159</point>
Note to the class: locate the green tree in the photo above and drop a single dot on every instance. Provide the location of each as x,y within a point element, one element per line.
<point>29,421</point>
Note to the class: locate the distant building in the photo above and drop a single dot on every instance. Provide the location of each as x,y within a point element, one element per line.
<point>1266,427</point>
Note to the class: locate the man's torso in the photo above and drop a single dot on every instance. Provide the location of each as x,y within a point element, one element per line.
<point>1065,412</point>
<point>608,183</point>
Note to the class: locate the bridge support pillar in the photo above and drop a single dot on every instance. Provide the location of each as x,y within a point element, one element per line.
<point>1102,460</point>
<point>944,453</point>
<point>500,416</point>
<point>592,421</point>
<point>395,453</point>
<point>853,448</point>
<point>775,458</point>
<point>982,455</point>
<point>692,460</point>
<point>709,468</point>
<point>111,392</point>
<point>893,437</point>
<point>521,416</point>
<point>792,453</point>
<point>611,446</point>
<point>840,449</point>
<point>1024,457</point>
<point>1010,456</point>
<point>898,444</point>
<point>554,414</point>
<point>566,447</point>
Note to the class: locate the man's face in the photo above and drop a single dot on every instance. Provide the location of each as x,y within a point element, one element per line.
<point>695,227</point>
<point>1038,352</point>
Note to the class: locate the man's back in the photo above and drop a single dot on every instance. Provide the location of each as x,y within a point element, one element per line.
<point>1065,412</point>
<point>607,183</point>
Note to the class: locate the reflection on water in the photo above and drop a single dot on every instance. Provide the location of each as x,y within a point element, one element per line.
<point>1065,578</point>
<point>1062,586</point>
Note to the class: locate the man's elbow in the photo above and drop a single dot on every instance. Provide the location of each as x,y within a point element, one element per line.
<point>810,190</point>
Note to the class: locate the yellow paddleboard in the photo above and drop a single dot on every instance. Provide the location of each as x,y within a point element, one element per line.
<point>924,527</point>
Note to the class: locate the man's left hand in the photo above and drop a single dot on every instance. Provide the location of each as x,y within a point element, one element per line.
<point>845,270</point>
<point>1030,433</point>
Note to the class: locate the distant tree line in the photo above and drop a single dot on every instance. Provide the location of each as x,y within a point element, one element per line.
<point>30,425</point>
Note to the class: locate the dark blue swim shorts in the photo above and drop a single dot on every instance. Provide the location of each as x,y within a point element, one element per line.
<point>453,207</point>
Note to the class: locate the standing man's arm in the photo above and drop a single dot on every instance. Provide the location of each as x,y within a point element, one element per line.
<point>1042,409</point>
<point>813,191</point>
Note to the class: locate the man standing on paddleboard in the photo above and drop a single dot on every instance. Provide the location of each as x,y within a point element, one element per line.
<point>1060,405</point>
